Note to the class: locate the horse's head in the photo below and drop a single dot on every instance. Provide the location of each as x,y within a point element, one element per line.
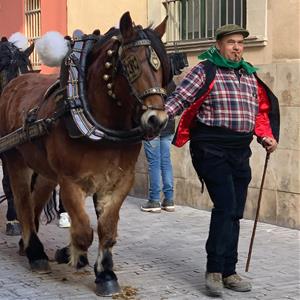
<point>136,71</point>
<point>13,60</point>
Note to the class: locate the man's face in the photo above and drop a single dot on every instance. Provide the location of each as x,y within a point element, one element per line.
<point>231,46</point>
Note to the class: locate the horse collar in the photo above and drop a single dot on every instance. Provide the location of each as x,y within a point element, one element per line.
<point>82,122</point>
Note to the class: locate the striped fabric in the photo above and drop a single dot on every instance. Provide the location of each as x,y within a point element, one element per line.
<point>232,103</point>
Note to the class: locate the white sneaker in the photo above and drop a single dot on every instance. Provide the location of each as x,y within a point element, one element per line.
<point>64,220</point>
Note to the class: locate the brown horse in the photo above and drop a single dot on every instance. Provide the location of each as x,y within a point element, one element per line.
<point>135,61</point>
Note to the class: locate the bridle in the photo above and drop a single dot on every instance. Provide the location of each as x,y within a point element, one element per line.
<point>130,68</point>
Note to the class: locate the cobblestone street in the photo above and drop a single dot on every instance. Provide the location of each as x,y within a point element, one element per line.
<point>160,256</point>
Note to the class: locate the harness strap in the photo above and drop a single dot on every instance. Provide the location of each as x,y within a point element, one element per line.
<point>153,91</point>
<point>25,134</point>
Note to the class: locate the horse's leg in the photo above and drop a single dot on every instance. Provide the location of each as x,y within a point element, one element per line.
<point>41,194</point>
<point>108,207</point>
<point>20,176</point>
<point>73,199</point>
<point>12,224</point>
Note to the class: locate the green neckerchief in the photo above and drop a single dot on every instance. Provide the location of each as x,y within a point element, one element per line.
<point>213,55</point>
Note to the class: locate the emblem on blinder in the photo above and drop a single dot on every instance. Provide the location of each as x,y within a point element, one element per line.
<point>132,67</point>
<point>154,60</point>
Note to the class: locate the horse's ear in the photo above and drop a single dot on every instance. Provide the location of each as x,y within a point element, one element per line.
<point>126,26</point>
<point>161,28</point>
<point>29,50</point>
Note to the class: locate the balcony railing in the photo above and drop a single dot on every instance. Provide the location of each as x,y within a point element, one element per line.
<point>33,27</point>
<point>199,19</point>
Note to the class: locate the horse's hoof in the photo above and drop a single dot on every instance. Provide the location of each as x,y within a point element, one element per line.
<point>13,228</point>
<point>106,283</point>
<point>82,261</point>
<point>107,288</point>
<point>62,255</point>
<point>40,266</point>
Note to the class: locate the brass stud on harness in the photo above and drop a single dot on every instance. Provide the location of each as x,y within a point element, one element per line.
<point>110,92</point>
<point>108,65</point>
<point>110,52</point>
<point>106,77</point>
<point>109,85</point>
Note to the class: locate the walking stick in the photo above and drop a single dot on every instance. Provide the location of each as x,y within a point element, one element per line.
<point>257,212</point>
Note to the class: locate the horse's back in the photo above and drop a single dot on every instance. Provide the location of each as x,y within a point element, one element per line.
<point>19,96</point>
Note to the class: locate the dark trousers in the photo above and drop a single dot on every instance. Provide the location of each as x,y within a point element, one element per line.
<point>226,174</point>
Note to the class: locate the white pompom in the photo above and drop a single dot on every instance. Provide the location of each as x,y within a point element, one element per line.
<point>19,40</point>
<point>52,48</point>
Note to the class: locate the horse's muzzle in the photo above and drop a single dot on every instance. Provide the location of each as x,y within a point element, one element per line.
<point>153,121</point>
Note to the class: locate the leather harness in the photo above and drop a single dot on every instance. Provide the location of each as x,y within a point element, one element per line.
<point>71,94</point>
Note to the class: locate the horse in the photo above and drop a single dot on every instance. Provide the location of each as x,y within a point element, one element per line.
<point>123,78</point>
<point>13,62</point>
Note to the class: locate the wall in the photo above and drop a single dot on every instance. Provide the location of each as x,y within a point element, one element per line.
<point>11,17</point>
<point>92,14</point>
<point>278,57</point>
<point>53,18</point>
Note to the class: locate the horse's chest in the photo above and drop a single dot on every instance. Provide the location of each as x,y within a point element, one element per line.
<point>104,180</point>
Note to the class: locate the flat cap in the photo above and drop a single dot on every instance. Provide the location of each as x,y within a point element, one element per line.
<point>230,29</point>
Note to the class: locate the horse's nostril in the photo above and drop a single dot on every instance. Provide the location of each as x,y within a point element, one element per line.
<point>154,122</point>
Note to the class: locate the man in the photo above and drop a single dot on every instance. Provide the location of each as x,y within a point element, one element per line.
<point>224,104</point>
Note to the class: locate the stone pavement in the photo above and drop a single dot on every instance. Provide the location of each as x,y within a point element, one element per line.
<point>160,256</point>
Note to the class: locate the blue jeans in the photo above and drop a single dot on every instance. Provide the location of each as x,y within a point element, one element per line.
<point>226,175</point>
<point>159,167</point>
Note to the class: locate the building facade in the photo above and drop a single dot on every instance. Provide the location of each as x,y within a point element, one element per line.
<point>273,46</point>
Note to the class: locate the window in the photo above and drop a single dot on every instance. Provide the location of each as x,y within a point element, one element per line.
<point>199,19</point>
<point>33,26</point>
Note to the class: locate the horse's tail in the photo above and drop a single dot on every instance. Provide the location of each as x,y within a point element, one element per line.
<point>50,209</point>
<point>2,198</point>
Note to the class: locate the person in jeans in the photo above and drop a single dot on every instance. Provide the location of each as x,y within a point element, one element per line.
<point>160,169</point>
<point>224,104</point>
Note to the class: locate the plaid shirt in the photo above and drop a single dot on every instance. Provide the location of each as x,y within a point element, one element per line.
<point>232,103</point>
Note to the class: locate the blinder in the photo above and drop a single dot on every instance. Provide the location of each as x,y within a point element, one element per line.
<point>132,68</point>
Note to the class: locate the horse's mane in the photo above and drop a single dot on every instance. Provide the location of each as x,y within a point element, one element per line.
<point>107,36</point>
